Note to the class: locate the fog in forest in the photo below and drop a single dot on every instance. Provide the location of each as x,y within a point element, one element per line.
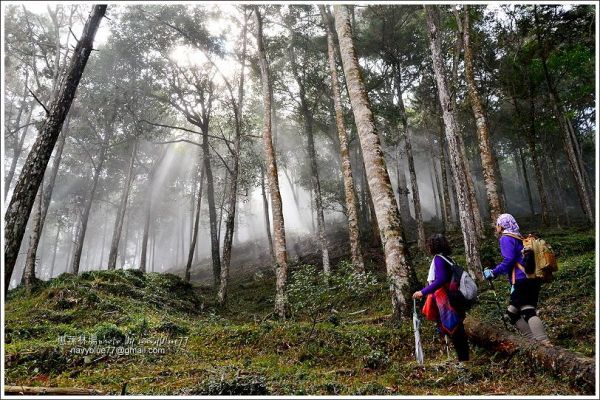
<point>145,81</point>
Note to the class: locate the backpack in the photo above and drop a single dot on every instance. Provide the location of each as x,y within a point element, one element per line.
<point>538,258</point>
<point>462,286</point>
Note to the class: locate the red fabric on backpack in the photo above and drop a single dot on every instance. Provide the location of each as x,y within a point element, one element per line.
<point>430,309</point>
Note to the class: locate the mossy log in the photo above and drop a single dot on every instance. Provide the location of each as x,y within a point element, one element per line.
<point>51,391</point>
<point>580,369</point>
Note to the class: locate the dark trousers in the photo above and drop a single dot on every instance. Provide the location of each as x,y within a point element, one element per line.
<point>460,342</point>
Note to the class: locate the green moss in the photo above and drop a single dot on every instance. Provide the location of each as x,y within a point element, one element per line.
<point>240,349</point>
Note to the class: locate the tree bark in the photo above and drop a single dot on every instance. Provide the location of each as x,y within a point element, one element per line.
<point>266,213</point>
<point>33,170</point>
<point>233,184</point>
<point>526,178</point>
<point>212,210</point>
<point>349,191</point>
<point>448,223</point>
<point>148,211</point>
<point>188,266</point>
<point>485,147</point>
<point>531,138</point>
<point>89,201</point>
<point>116,237</point>
<point>278,221</point>
<point>399,271</point>
<point>39,218</point>
<point>406,218</point>
<point>563,363</point>
<point>406,135</point>
<point>55,249</point>
<point>457,157</point>
<point>51,391</point>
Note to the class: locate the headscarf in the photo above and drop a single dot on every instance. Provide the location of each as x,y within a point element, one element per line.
<point>509,224</point>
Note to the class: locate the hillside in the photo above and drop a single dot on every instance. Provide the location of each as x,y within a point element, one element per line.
<point>350,347</point>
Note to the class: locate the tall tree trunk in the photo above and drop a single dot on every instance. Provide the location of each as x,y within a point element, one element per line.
<point>526,178</point>
<point>39,217</point>
<point>123,243</point>
<point>266,213</point>
<point>569,138</point>
<point>449,223</point>
<point>406,218</point>
<point>233,184</point>
<point>406,135</point>
<point>54,250</point>
<point>104,233</point>
<point>278,222</point>
<point>116,237</point>
<point>485,147</point>
<point>349,191</point>
<point>314,168</point>
<point>471,239</point>
<point>148,211</point>
<point>434,193</point>
<point>399,271</point>
<point>212,211</point>
<point>33,170</point>
<point>531,139</point>
<point>89,201</point>
<point>190,260</point>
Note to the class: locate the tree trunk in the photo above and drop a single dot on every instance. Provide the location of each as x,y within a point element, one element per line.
<point>116,237</point>
<point>449,223</point>
<point>40,217</point>
<point>314,168</point>
<point>212,211</point>
<point>104,233</point>
<point>188,266</point>
<point>470,236</point>
<point>526,178</point>
<point>399,271</point>
<point>406,218</point>
<point>33,170</point>
<point>55,249</point>
<point>88,205</point>
<point>49,391</point>
<point>563,363</point>
<point>278,221</point>
<point>233,184</point>
<point>148,211</point>
<point>485,147</point>
<point>535,162</point>
<point>406,135</point>
<point>266,213</point>
<point>349,191</point>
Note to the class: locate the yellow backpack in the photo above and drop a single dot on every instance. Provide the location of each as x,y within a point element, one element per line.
<point>538,258</point>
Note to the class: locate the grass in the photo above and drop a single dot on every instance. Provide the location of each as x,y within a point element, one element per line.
<point>242,350</point>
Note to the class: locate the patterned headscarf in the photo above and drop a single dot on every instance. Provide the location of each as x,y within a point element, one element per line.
<point>509,223</point>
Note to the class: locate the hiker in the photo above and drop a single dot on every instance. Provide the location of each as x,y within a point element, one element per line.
<point>438,306</point>
<point>524,291</point>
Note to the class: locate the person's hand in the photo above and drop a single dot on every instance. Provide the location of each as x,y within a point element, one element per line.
<point>417,295</point>
<point>488,274</point>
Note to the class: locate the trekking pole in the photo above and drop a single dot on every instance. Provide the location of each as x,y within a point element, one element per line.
<point>491,285</point>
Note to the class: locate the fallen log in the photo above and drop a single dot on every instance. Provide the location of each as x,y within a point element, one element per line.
<point>580,369</point>
<point>51,391</point>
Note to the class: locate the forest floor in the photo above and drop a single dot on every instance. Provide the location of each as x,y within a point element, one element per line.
<point>355,349</point>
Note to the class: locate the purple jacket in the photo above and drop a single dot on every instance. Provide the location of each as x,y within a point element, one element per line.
<point>442,276</point>
<point>510,248</point>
